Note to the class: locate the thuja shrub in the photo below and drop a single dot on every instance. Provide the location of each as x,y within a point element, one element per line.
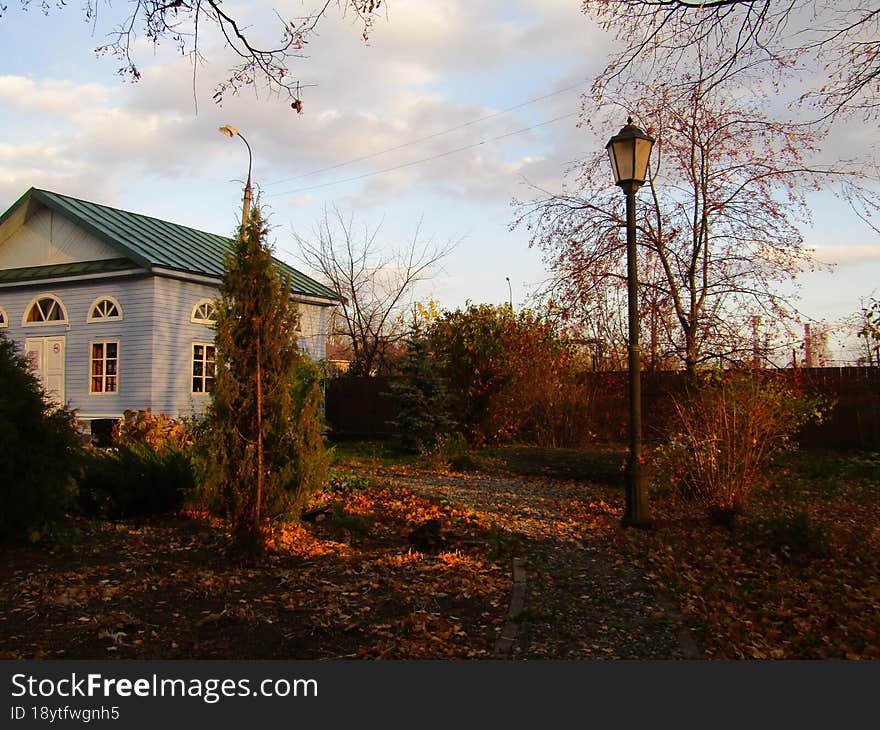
<point>725,434</point>
<point>39,447</point>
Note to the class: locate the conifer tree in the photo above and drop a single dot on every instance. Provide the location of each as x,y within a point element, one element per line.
<point>422,396</point>
<point>256,417</point>
<point>39,444</point>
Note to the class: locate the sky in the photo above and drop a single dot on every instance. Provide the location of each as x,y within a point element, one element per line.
<point>445,115</point>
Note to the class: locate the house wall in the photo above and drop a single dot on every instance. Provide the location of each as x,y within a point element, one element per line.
<point>174,335</point>
<point>155,339</point>
<point>135,296</point>
<point>314,322</point>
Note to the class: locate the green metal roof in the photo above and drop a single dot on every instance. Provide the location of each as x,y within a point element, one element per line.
<point>76,268</point>
<point>151,242</point>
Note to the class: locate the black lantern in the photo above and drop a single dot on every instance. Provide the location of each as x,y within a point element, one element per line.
<point>629,151</point>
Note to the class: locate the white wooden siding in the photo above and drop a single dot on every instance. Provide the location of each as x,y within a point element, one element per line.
<point>133,333</point>
<point>49,238</point>
<point>155,338</point>
<point>173,335</point>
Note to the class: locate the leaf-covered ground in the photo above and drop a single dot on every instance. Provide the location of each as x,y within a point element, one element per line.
<point>796,577</point>
<point>353,588</point>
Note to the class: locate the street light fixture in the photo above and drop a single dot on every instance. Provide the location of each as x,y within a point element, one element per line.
<point>630,151</point>
<point>231,131</point>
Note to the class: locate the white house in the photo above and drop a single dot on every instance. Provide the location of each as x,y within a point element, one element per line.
<point>114,309</point>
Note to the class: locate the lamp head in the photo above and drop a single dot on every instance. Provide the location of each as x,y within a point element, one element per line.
<point>629,151</point>
<point>229,130</point>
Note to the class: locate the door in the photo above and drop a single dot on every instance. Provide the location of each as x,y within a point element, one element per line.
<point>46,358</point>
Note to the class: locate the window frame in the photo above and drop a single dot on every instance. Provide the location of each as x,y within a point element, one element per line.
<point>201,320</point>
<point>46,322</point>
<point>103,375</point>
<point>114,301</point>
<point>204,362</point>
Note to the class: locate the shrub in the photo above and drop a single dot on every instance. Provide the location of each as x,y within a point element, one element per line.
<point>447,448</point>
<point>39,445</point>
<point>344,484</point>
<point>134,480</point>
<point>149,470</point>
<point>511,376</point>
<point>727,431</point>
<point>159,432</point>
<point>797,535</point>
<point>312,457</point>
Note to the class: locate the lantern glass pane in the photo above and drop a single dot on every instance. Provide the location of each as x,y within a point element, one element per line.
<point>643,154</point>
<point>623,151</point>
<point>611,157</point>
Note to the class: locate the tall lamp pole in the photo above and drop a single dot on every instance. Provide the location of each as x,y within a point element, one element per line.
<point>231,131</point>
<point>629,151</point>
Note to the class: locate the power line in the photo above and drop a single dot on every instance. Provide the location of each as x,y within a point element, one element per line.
<point>427,137</point>
<point>422,160</point>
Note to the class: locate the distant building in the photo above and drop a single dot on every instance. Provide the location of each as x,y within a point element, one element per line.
<point>115,310</point>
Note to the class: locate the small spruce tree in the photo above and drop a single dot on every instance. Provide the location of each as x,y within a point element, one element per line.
<point>257,422</point>
<point>422,397</point>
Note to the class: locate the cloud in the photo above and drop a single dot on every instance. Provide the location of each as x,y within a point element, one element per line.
<point>848,253</point>
<point>412,80</point>
<point>51,96</point>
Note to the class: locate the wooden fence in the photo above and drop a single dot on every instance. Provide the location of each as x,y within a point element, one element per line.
<point>363,407</point>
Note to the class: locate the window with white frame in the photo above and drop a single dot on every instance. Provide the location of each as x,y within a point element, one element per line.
<point>203,367</point>
<point>105,309</point>
<point>4,322</point>
<point>205,312</point>
<point>104,367</point>
<point>45,309</point>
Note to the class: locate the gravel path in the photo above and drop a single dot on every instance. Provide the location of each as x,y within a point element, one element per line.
<point>583,600</point>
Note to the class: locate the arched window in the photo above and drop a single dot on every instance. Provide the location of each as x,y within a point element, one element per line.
<point>4,322</point>
<point>105,309</point>
<point>45,309</point>
<point>205,312</point>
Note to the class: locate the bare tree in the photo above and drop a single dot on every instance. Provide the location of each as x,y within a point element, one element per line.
<point>869,330</point>
<point>183,23</point>
<point>835,43</point>
<point>376,283</point>
<point>718,225</point>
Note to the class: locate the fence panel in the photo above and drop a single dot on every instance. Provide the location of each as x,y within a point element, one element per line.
<point>362,407</point>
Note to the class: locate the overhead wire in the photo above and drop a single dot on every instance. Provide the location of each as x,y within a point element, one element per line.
<point>427,137</point>
<point>423,159</point>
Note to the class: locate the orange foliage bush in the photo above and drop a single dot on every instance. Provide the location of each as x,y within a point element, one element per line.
<point>160,432</point>
<point>511,376</point>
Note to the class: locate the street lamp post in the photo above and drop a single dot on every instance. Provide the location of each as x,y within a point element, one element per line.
<point>629,151</point>
<point>231,131</point>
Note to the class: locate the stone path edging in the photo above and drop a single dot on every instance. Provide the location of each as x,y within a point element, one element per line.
<point>510,632</point>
